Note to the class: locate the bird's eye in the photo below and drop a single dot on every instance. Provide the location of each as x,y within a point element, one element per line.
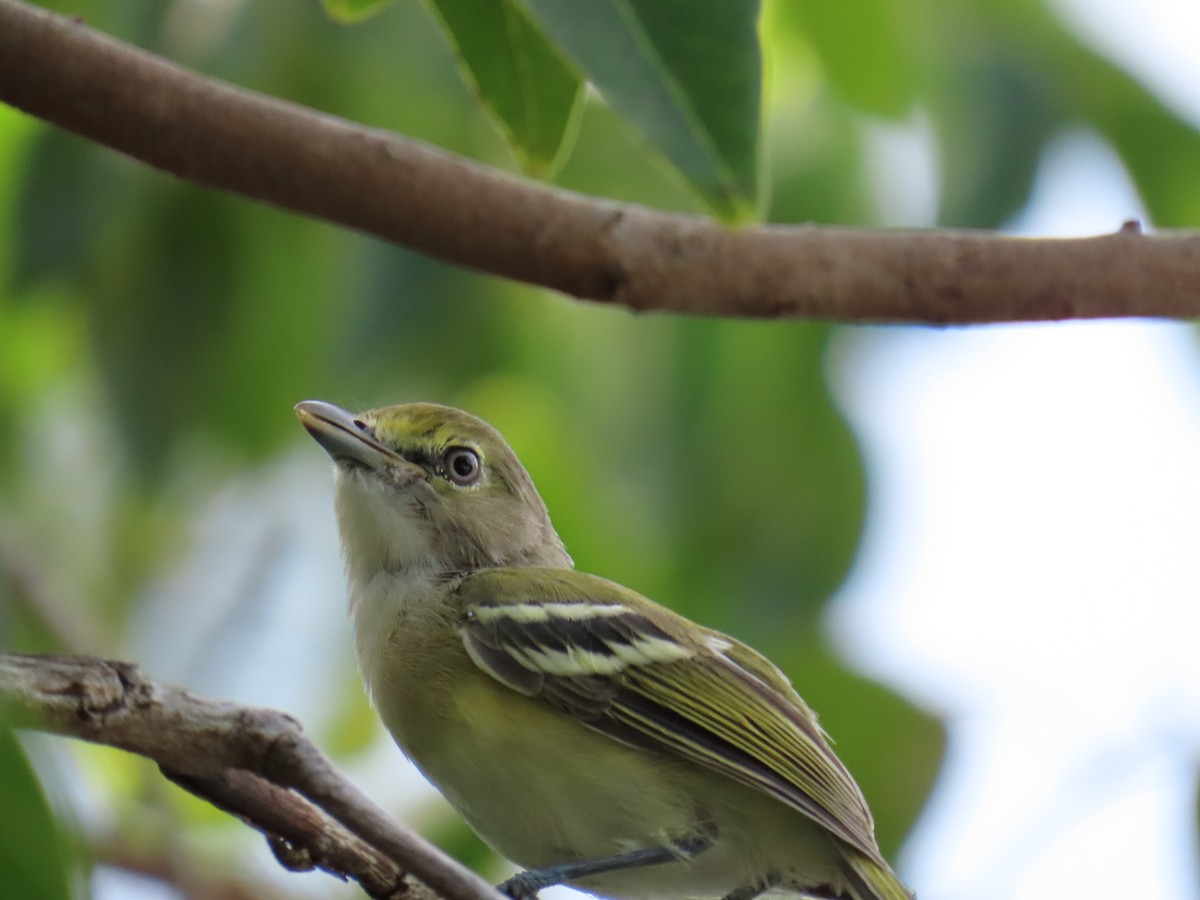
<point>461,465</point>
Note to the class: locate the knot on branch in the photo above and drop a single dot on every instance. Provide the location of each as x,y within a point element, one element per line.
<point>84,688</point>
<point>267,739</point>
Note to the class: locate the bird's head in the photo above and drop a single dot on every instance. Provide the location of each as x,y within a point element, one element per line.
<point>426,486</point>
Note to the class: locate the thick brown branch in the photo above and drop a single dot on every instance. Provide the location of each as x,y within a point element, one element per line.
<point>442,205</point>
<point>216,749</point>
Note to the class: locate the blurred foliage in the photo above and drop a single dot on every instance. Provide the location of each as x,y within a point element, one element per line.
<point>153,337</point>
<point>351,11</point>
<point>864,47</point>
<point>35,855</point>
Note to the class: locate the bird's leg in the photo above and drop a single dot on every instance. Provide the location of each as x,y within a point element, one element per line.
<point>525,885</point>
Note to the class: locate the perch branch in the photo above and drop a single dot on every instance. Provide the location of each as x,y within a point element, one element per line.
<point>299,834</point>
<point>246,760</point>
<point>442,205</point>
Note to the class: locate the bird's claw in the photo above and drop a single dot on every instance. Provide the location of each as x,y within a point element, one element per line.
<point>521,887</point>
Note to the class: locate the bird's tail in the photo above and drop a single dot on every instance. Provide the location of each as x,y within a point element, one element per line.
<point>873,879</point>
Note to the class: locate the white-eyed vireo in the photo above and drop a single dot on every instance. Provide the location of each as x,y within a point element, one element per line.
<point>586,733</point>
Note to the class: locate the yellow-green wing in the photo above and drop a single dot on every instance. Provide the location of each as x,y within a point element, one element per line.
<point>640,674</point>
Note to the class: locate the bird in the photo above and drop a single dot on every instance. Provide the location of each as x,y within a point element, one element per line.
<point>586,733</point>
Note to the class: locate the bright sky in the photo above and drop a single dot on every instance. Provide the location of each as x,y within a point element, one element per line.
<point>1029,570</point>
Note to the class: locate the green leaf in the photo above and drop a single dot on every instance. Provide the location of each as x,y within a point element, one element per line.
<point>994,119</point>
<point>518,76</point>
<point>351,11</point>
<point>686,75</point>
<point>34,854</point>
<point>1158,147</point>
<point>68,192</point>
<point>862,50</point>
<point>161,300</point>
<point>817,165</point>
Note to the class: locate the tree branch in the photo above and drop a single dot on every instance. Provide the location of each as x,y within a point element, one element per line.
<point>442,205</point>
<point>247,761</point>
<point>301,836</point>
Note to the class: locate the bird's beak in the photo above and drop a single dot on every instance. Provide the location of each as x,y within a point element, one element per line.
<point>345,438</point>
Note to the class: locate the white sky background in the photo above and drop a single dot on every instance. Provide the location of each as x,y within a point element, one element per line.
<point>1029,570</point>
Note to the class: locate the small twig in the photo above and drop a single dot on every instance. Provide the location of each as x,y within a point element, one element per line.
<point>204,744</point>
<point>299,834</point>
<point>440,204</point>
